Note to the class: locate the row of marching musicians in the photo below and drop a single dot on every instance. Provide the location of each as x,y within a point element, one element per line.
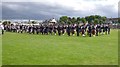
<point>89,29</point>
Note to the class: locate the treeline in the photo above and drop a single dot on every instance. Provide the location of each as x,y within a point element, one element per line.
<point>96,19</point>
<point>9,22</point>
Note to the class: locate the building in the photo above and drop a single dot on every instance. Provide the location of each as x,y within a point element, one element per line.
<point>53,21</point>
<point>113,20</point>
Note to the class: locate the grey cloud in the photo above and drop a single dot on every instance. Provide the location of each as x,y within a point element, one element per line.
<point>42,11</point>
<point>107,10</point>
<point>119,9</point>
<point>0,11</point>
<point>31,10</point>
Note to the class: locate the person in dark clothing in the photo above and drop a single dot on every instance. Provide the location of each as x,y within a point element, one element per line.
<point>80,29</point>
<point>29,29</point>
<point>2,29</point>
<point>50,29</point>
<point>83,30</point>
<point>63,30</point>
<point>97,30</point>
<point>46,30</point>
<point>59,30</point>
<point>37,29</point>
<point>54,29</point>
<point>77,30</point>
<point>68,30</point>
<point>42,29</point>
<point>103,29</point>
<point>89,30</point>
<point>33,29</point>
<point>21,28</point>
<point>93,30</point>
<point>72,30</point>
<point>14,28</point>
<point>108,28</point>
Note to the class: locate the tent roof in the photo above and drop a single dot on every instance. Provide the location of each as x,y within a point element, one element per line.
<point>53,20</point>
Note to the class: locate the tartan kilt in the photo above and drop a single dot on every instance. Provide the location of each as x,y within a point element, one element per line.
<point>73,32</point>
<point>83,31</point>
<point>93,32</point>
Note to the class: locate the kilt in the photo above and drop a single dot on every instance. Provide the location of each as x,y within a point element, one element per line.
<point>83,31</point>
<point>93,32</point>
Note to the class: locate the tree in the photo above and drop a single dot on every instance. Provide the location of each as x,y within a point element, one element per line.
<point>92,17</point>
<point>63,19</point>
<point>97,17</point>
<point>101,21</point>
<point>73,20</point>
<point>83,20</point>
<point>6,23</point>
<point>119,20</point>
<point>103,18</point>
<point>33,22</point>
<point>88,19</point>
<point>78,20</point>
<point>96,21</point>
<point>69,20</point>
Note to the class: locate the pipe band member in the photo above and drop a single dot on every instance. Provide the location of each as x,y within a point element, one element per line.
<point>2,28</point>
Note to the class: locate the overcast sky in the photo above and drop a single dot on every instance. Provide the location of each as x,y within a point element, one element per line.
<point>45,9</point>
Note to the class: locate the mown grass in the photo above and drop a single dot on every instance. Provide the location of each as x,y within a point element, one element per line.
<point>29,49</point>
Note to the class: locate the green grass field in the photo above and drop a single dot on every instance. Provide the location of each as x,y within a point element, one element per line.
<point>29,49</point>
